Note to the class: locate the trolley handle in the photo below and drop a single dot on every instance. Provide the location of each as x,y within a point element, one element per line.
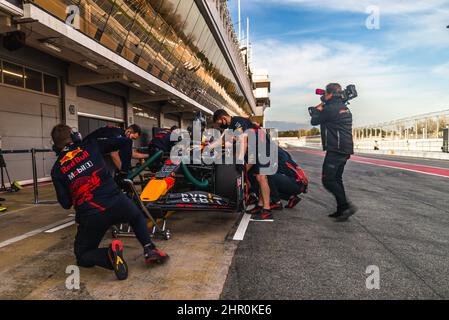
<point>129,183</point>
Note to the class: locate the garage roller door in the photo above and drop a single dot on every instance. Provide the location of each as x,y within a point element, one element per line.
<point>147,119</point>
<point>26,120</point>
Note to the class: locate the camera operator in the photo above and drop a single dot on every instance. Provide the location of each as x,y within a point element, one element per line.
<point>335,119</point>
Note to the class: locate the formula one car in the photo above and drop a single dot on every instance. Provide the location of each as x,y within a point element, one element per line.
<point>194,188</point>
<point>176,186</point>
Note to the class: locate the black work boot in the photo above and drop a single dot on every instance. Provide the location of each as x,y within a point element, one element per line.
<point>348,212</point>
<point>336,214</point>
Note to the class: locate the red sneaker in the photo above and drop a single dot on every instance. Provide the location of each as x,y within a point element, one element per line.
<point>277,206</point>
<point>153,255</point>
<point>255,210</point>
<point>115,254</point>
<point>292,202</point>
<point>264,215</point>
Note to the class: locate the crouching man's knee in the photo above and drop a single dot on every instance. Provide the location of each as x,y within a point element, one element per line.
<point>80,262</point>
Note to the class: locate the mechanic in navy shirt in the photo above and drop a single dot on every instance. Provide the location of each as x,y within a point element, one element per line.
<point>288,183</point>
<point>162,141</point>
<point>112,135</point>
<point>242,127</point>
<point>81,180</point>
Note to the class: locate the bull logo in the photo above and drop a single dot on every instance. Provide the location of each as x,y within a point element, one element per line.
<point>70,155</point>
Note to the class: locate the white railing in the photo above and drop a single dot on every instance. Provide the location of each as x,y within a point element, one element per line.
<point>422,145</point>
<point>293,142</point>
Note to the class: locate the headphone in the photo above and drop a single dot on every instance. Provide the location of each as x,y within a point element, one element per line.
<point>75,136</point>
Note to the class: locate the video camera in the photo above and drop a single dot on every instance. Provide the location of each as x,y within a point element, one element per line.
<point>346,95</point>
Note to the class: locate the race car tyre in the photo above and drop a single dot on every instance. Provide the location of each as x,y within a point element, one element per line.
<point>226,181</point>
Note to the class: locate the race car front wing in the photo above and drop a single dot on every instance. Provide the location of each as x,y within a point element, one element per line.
<point>192,201</point>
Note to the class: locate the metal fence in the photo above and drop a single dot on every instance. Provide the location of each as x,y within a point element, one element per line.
<point>425,126</point>
<point>33,153</point>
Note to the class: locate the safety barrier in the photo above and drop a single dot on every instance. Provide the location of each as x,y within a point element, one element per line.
<point>33,153</point>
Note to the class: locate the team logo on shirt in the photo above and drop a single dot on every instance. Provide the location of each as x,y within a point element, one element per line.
<point>70,155</point>
<point>75,159</point>
<point>80,170</point>
<point>82,190</point>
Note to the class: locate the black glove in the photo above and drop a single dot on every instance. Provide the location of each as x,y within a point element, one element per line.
<point>313,111</point>
<point>120,179</point>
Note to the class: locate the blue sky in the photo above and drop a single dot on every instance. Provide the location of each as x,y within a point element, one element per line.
<point>400,70</point>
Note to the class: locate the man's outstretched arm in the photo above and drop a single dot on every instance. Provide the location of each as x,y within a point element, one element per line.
<point>138,155</point>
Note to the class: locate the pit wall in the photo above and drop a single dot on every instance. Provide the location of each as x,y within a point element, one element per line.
<point>420,148</point>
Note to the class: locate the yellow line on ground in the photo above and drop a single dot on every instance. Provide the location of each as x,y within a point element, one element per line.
<point>22,209</point>
<point>14,211</point>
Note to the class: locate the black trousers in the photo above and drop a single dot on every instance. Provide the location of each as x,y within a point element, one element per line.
<point>333,168</point>
<point>283,187</point>
<point>93,227</point>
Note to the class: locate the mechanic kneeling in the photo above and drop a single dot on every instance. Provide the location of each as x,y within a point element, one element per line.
<point>288,183</point>
<point>81,180</point>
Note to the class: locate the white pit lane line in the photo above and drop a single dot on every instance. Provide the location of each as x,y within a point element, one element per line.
<point>241,230</point>
<point>63,226</point>
<point>55,225</point>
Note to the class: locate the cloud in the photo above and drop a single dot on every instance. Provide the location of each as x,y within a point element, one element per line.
<point>387,90</point>
<point>441,70</point>
<point>419,30</point>
<point>411,24</point>
<point>398,74</point>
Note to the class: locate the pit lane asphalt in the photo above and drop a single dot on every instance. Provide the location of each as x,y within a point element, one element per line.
<point>401,227</point>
